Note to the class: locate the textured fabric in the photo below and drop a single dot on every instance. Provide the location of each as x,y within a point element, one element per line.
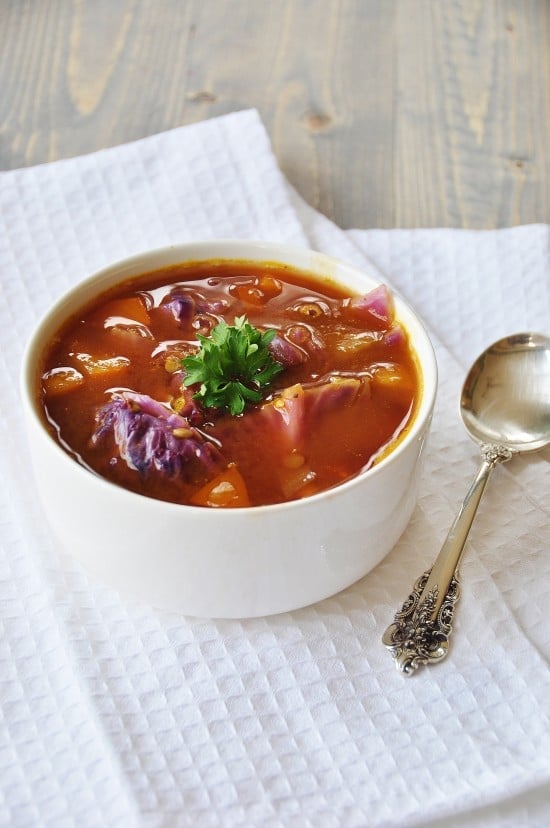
<point>115,714</point>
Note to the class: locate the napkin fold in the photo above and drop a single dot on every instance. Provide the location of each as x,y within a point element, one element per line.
<point>113,713</point>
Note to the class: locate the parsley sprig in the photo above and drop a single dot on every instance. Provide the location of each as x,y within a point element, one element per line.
<point>233,366</point>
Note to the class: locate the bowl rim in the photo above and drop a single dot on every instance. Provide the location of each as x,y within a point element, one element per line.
<point>237,250</point>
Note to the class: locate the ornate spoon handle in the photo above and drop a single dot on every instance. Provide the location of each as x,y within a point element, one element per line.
<point>420,630</point>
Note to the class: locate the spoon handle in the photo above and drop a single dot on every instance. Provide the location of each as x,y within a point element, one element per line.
<point>420,631</point>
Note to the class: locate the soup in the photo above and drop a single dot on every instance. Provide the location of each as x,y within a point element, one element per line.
<point>133,386</point>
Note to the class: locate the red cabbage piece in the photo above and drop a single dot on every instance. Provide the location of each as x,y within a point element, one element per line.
<point>184,305</point>
<point>336,393</point>
<point>293,413</point>
<point>295,344</point>
<point>295,409</point>
<point>286,352</point>
<point>395,336</point>
<point>181,304</point>
<point>285,415</point>
<point>376,305</point>
<point>213,306</point>
<point>152,438</point>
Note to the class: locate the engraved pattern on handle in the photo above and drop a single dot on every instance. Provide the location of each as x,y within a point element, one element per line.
<point>416,636</point>
<point>494,453</point>
<point>421,629</point>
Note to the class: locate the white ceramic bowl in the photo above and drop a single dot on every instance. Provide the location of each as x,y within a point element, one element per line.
<point>230,563</point>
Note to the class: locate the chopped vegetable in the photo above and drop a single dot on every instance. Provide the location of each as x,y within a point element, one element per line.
<point>94,366</point>
<point>60,380</point>
<point>130,309</point>
<point>234,366</point>
<point>181,304</point>
<point>374,308</point>
<point>151,437</point>
<point>257,291</point>
<point>287,353</point>
<point>227,490</point>
<point>286,416</point>
<point>292,412</point>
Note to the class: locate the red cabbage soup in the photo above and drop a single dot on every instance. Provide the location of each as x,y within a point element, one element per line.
<point>230,384</point>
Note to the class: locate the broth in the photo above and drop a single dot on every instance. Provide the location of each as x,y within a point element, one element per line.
<point>112,394</point>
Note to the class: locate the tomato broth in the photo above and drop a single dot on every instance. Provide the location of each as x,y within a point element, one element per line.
<point>113,394</point>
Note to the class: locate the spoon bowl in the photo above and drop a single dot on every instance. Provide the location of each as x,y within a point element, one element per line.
<point>505,406</point>
<point>506,395</point>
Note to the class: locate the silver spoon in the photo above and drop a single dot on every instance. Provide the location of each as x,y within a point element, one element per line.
<point>505,406</point>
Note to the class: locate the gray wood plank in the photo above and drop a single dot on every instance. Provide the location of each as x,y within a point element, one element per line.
<point>472,113</point>
<point>381,112</point>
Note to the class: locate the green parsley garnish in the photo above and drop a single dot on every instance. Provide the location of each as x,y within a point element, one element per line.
<point>233,366</point>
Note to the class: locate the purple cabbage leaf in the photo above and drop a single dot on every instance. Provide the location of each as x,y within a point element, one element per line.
<point>377,304</point>
<point>152,438</point>
<point>292,412</point>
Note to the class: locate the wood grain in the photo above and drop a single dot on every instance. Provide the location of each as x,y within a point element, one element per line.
<point>473,114</point>
<point>381,112</point>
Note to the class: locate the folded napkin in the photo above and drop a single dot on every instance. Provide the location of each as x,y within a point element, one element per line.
<point>115,714</point>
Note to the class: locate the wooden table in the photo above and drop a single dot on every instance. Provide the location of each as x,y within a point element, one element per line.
<point>382,113</point>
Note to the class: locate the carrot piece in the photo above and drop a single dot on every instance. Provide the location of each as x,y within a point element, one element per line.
<point>249,293</point>
<point>132,308</point>
<point>61,380</point>
<point>93,366</point>
<point>257,291</point>
<point>227,490</point>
